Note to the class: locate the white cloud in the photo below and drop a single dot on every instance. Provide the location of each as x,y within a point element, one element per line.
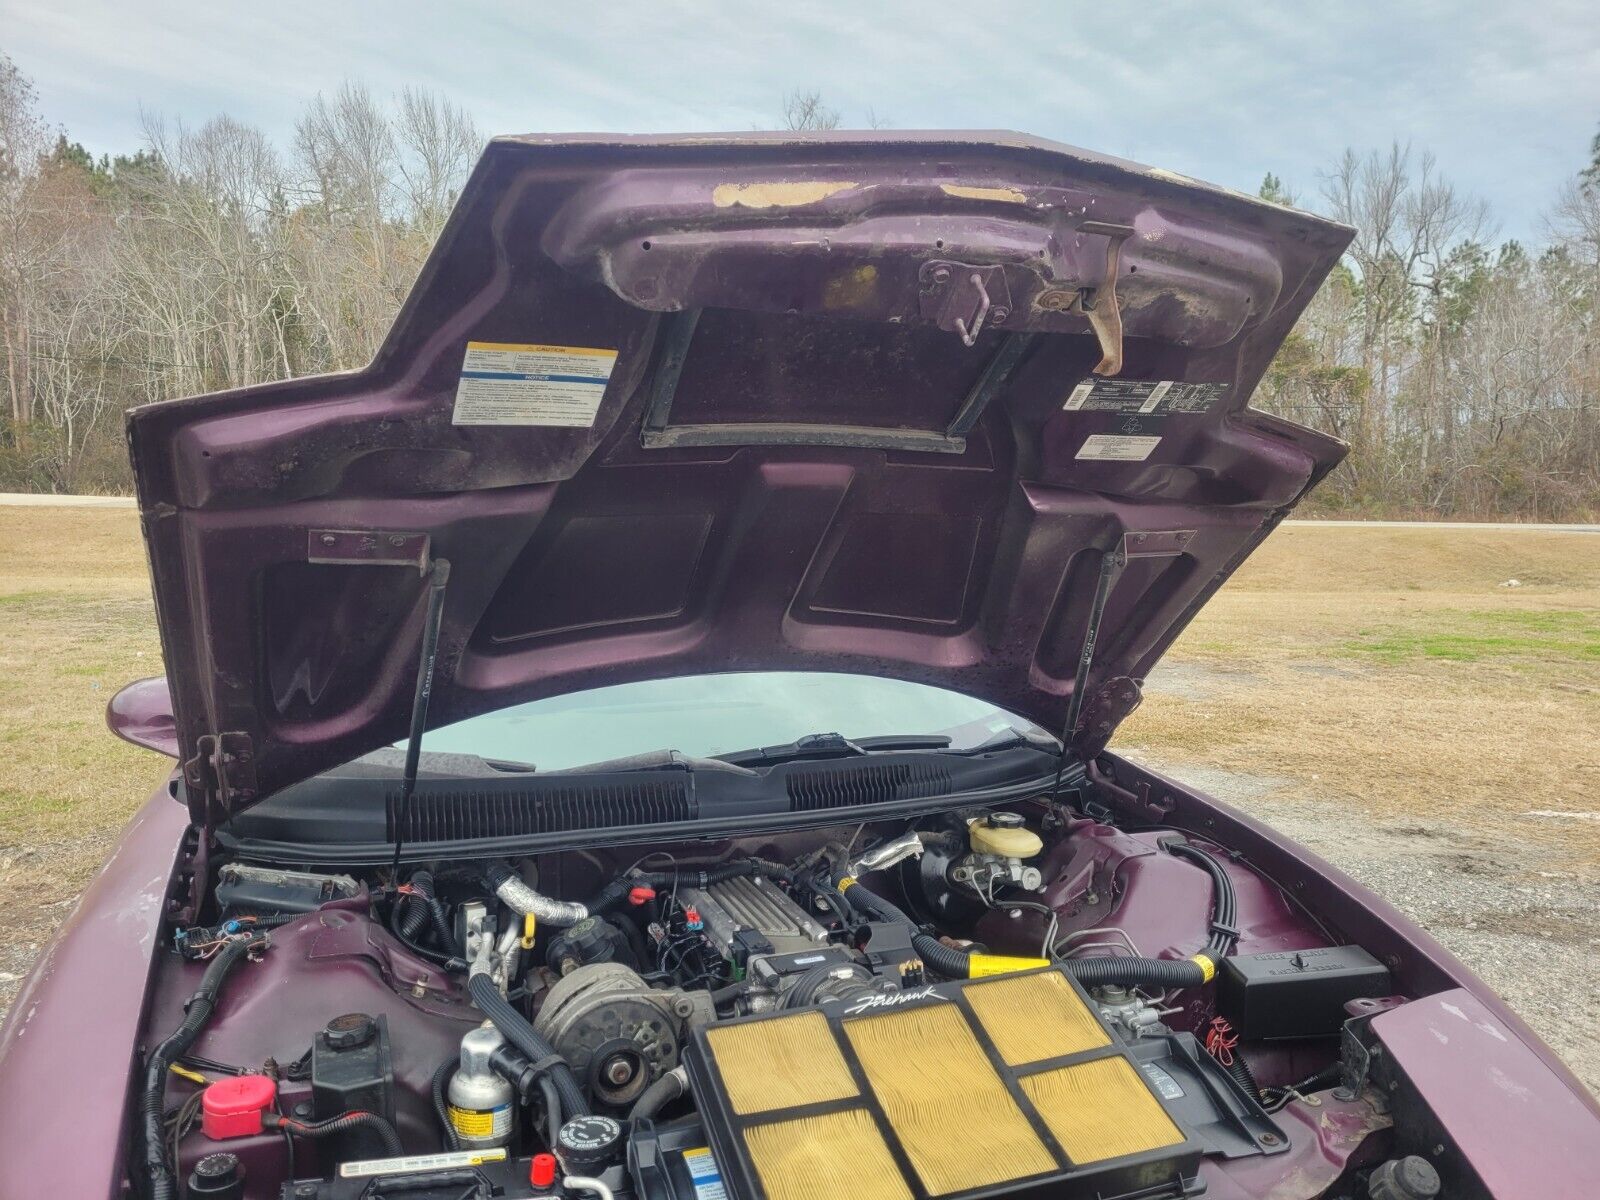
<point>1507,97</point>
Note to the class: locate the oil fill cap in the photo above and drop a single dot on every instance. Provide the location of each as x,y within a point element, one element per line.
<point>589,1144</point>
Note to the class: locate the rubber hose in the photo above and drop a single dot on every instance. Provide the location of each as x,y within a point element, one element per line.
<point>1242,1075</point>
<point>552,1111</point>
<point>412,909</point>
<point>941,959</point>
<point>441,1110</point>
<point>1091,972</point>
<point>1225,906</point>
<point>343,1123</point>
<point>448,961</point>
<point>163,1185</point>
<point>517,1030</point>
<point>1137,972</point>
<point>435,910</point>
<point>409,916</point>
<point>657,1096</point>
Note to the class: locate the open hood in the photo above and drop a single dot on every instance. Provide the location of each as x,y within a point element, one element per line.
<point>887,403</point>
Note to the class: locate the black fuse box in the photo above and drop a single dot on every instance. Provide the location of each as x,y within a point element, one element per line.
<point>1296,993</point>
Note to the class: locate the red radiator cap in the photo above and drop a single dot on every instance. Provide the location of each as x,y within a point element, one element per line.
<point>233,1107</point>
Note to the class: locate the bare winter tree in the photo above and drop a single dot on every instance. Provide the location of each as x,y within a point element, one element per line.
<point>805,110</point>
<point>1466,375</point>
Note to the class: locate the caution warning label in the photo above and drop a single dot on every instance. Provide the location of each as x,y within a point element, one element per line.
<point>507,383</point>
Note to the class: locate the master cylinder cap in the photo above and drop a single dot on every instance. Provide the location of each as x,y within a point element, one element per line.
<point>1003,834</point>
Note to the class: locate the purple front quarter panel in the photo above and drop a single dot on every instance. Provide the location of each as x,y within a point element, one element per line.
<point>68,1046</point>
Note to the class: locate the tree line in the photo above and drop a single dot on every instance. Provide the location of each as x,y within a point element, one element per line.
<point>1463,369</point>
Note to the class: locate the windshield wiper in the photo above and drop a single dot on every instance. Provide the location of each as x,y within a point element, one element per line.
<point>833,745</point>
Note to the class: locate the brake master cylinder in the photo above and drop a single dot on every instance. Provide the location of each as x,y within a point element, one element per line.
<point>481,1102</point>
<point>1001,844</point>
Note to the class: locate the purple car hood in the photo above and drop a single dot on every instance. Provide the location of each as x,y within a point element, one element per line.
<point>878,403</point>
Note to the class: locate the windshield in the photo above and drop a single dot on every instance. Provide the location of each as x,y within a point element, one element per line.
<point>706,715</point>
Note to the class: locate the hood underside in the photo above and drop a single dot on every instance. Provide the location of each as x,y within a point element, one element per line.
<point>872,403</point>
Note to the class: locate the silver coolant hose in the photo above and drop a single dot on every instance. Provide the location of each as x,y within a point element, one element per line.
<point>582,1183</point>
<point>520,898</point>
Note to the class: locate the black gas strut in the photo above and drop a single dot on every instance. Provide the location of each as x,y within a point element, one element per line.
<point>1111,564</point>
<point>439,575</point>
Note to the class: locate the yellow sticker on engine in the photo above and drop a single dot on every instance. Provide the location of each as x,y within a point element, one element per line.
<point>475,1122</point>
<point>981,965</point>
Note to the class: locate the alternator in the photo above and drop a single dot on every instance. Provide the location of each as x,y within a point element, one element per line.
<point>617,1033</point>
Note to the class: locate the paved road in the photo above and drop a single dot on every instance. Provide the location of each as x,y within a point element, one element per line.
<point>45,500</point>
<point>40,500</point>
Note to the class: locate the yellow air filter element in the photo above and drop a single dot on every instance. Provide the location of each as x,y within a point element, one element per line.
<point>1030,1018</point>
<point>957,1123</point>
<point>1100,1109</point>
<point>838,1154</point>
<point>782,1063</point>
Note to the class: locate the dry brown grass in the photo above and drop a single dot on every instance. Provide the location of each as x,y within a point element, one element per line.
<point>1385,669</point>
<point>78,625</point>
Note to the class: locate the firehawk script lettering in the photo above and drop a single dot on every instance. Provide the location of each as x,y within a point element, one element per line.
<point>891,1000</point>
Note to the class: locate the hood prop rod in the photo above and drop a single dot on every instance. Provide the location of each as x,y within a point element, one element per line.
<point>1111,565</point>
<point>438,577</point>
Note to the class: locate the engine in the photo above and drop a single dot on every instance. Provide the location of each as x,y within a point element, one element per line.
<point>555,1025</point>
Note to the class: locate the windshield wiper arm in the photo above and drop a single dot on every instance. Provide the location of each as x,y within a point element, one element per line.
<point>833,745</point>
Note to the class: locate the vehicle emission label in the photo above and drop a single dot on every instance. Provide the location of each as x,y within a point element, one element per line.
<point>420,1162</point>
<point>1118,447</point>
<point>1149,397</point>
<point>704,1172</point>
<point>505,383</point>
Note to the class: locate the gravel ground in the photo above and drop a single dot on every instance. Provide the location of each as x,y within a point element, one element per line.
<point>1532,933</point>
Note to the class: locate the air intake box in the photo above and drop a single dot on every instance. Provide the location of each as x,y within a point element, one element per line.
<point>1008,1086</point>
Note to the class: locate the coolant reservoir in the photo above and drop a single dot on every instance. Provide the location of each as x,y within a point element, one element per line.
<point>1004,835</point>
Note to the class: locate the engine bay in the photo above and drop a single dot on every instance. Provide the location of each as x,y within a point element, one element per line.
<point>1115,1011</point>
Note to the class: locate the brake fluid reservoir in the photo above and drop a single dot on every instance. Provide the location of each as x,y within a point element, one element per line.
<point>1004,835</point>
<point>481,1102</point>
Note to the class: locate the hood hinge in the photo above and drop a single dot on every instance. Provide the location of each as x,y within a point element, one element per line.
<point>222,774</point>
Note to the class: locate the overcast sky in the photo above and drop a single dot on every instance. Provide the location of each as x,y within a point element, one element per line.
<point>1506,95</point>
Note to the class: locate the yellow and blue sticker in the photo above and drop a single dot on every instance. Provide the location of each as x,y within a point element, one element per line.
<point>705,1174</point>
<point>513,383</point>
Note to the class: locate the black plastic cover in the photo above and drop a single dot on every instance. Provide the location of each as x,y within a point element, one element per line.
<point>1296,993</point>
<point>352,1070</point>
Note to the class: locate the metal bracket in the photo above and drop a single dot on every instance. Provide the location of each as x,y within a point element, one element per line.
<point>1102,712</point>
<point>223,771</point>
<point>1100,305</point>
<point>355,547</point>
<point>964,298</point>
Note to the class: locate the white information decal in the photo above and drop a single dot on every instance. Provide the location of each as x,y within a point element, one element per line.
<point>419,1162</point>
<point>506,383</point>
<point>1117,447</point>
